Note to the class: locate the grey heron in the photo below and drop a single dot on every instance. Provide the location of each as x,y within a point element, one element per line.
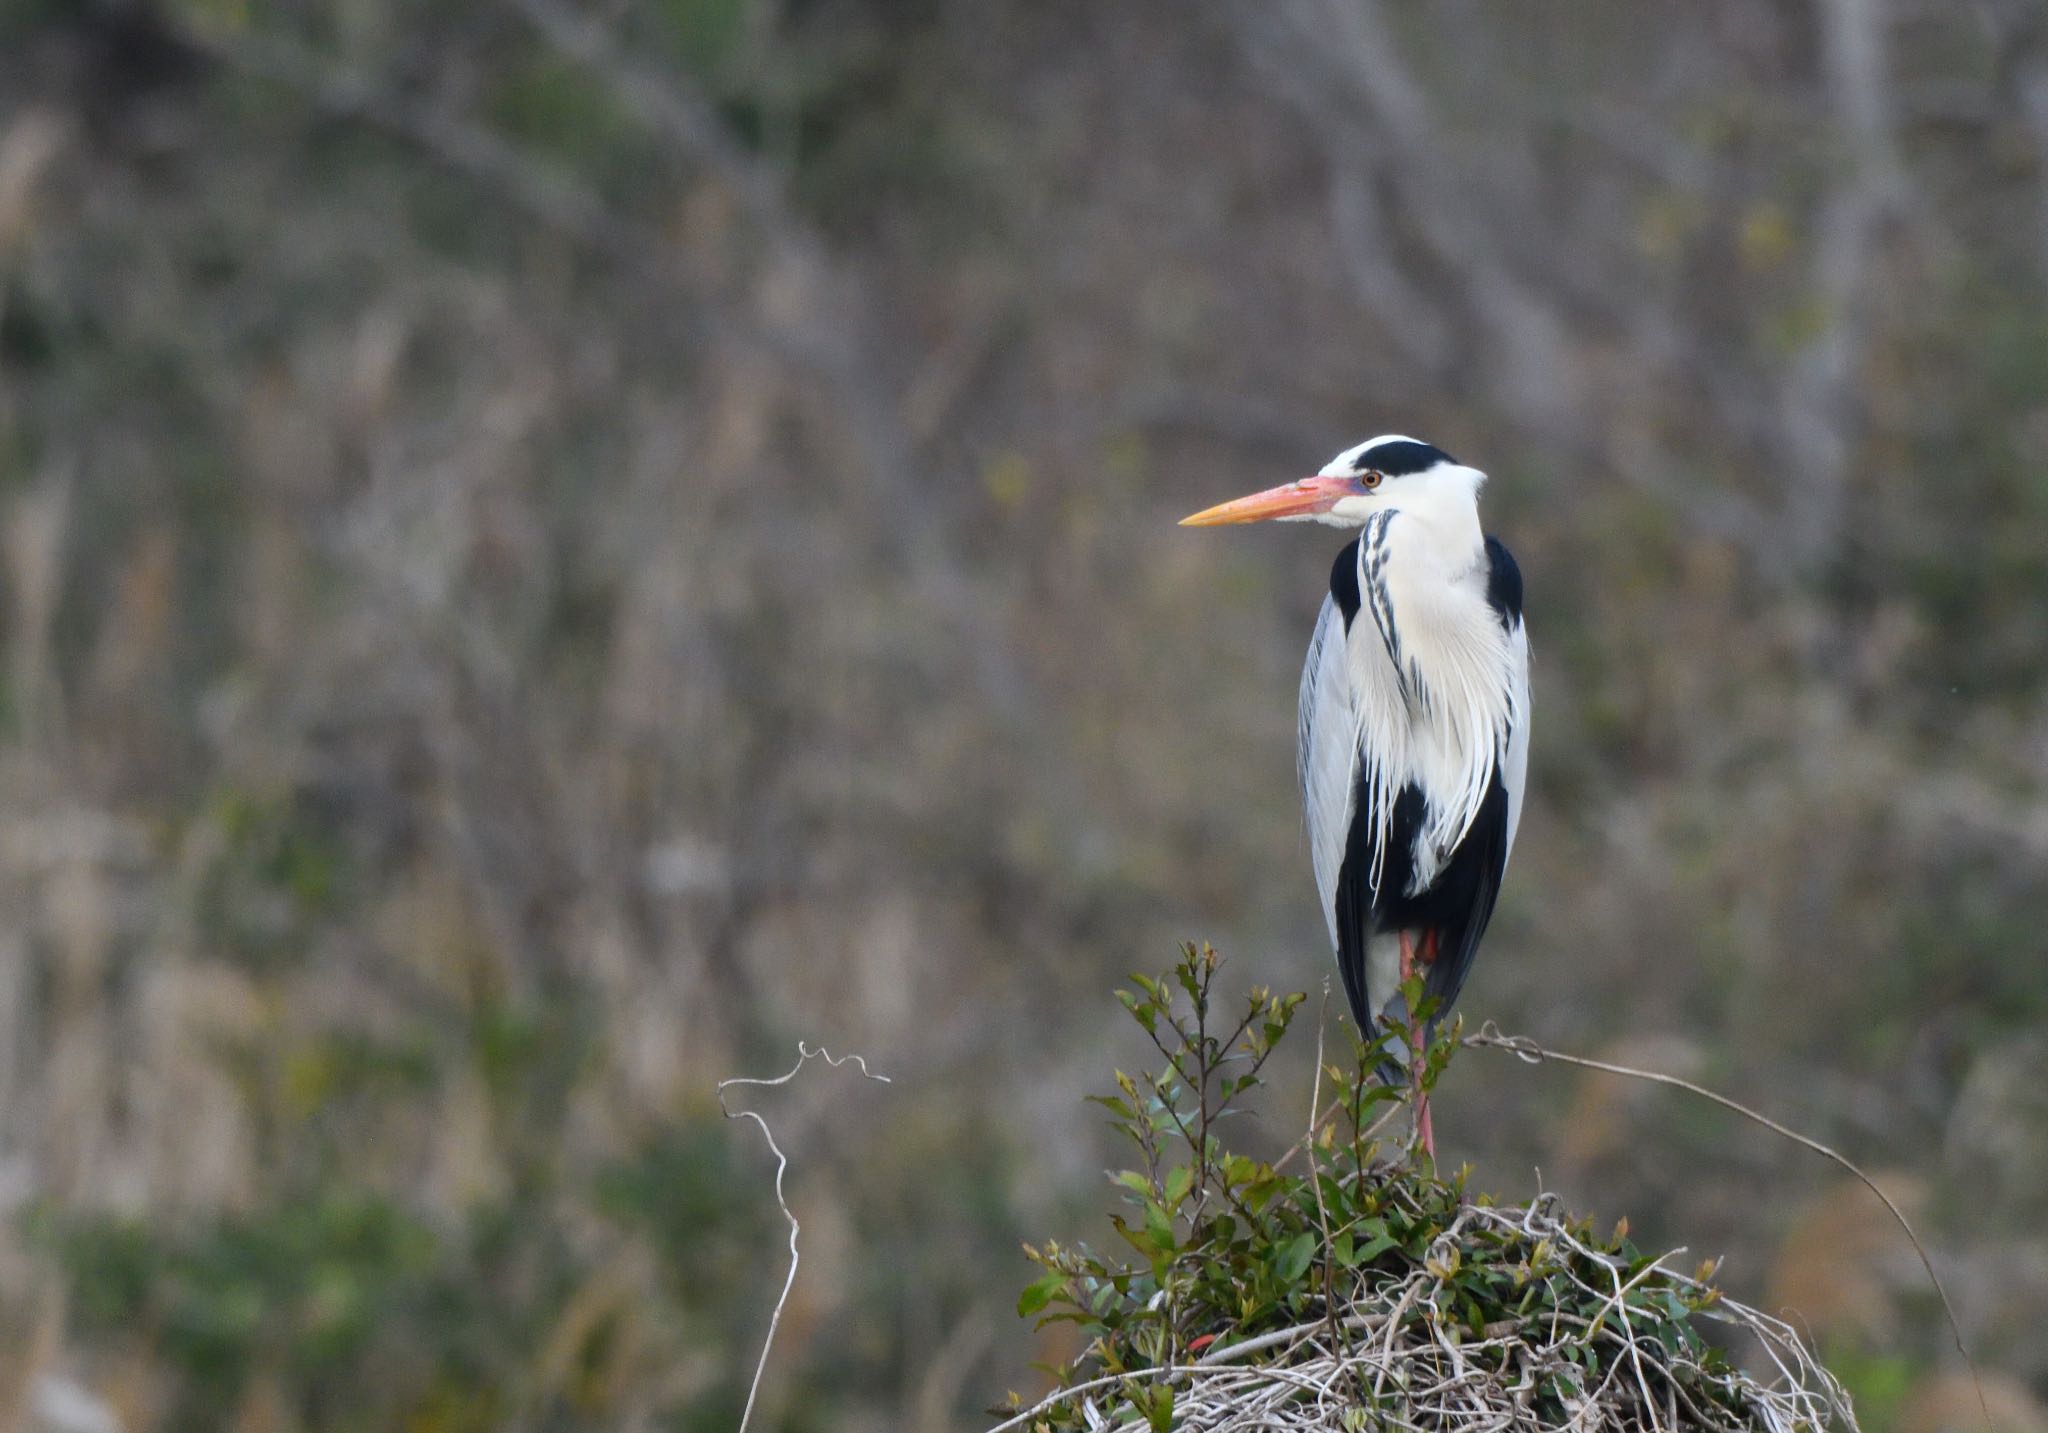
<point>1414,726</point>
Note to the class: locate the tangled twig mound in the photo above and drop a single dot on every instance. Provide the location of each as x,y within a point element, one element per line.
<point>1605,1343</point>
<point>1333,1289</point>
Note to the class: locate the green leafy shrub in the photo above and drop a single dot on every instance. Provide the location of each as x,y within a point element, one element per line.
<point>1334,1288</point>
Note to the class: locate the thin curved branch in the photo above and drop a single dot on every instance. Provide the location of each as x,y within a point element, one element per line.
<point>1490,1037</point>
<point>804,1055</point>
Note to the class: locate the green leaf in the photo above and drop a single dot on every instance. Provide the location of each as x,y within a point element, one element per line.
<point>1138,1239</point>
<point>1159,1226</point>
<point>1178,1183</point>
<point>1294,1259</point>
<point>1377,1239</point>
<point>1037,1295</point>
<point>1263,1186</point>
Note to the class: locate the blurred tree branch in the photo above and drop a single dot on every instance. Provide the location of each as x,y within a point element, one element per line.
<point>688,122</point>
<point>544,194</point>
<point>827,335</point>
<point>1483,264</point>
<point>1821,415</point>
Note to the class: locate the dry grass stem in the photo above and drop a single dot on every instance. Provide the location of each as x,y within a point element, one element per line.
<point>804,1055</point>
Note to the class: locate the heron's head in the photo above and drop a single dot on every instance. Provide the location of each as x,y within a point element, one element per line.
<point>1387,472</point>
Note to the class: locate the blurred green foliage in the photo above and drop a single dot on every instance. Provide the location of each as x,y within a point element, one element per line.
<point>341,1305</point>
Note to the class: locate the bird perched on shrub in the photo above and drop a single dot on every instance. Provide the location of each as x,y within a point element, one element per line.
<point>1414,733</point>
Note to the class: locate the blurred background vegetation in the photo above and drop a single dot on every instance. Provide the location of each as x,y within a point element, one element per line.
<point>550,550</point>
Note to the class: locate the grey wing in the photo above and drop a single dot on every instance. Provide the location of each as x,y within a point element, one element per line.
<point>1514,767</point>
<point>1328,756</point>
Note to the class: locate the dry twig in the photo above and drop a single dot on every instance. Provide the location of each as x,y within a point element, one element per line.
<point>1424,1370</point>
<point>804,1054</point>
<point>1490,1037</point>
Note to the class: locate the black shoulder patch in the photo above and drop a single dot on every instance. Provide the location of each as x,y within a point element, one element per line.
<point>1503,583</point>
<point>1344,582</point>
<point>1400,458</point>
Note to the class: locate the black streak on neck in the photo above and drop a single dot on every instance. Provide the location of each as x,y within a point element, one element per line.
<point>1503,584</point>
<point>1344,582</point>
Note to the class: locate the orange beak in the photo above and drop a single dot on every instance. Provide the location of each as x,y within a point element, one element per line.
<point>1300,499</point>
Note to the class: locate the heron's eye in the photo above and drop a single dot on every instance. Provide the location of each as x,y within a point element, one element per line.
<point>1372,478</point>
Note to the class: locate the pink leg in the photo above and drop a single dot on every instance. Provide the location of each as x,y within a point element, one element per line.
<point>1424,1130</point>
